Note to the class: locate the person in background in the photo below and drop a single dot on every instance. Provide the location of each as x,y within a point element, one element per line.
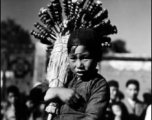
<point>3,107</point>
<point>36,110</point>
<point>147,97</point>
<point>135,107</point>
<point>114,89</point>
<point>39,112</point>
<point>148,113</point>
<point>118,111</point>
<point>31,107</point>
<point>15,109</point>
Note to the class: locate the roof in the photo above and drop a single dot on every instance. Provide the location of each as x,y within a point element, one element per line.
<point>127,57</point>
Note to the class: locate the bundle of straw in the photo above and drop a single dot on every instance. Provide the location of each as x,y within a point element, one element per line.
<point>57,69</point>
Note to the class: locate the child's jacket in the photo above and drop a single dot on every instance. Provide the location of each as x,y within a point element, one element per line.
<point>95,98</point>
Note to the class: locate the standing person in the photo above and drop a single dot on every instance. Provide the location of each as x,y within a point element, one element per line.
<point>87,94</point>
<point>114,98</point>
<point>135,107</point>
<point>114,91</point>
<point>114,88</point>
<point>15,110</point>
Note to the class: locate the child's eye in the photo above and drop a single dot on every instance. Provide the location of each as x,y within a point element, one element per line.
<point>72,57</point>
<point>86,57</point>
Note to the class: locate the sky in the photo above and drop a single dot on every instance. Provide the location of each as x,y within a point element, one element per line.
<point>132,18</point>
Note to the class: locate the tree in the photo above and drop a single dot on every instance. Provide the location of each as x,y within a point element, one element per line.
<point>14,39</point>
<point>118,46</point>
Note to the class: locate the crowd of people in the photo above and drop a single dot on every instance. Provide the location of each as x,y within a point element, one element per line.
<point>121,107</point>
<point>17,108</point>
<point>127,107</point>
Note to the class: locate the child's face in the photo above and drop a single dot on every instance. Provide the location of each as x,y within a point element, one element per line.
<point>116,110</point>
<point>113,92</point>
<point>12,98</point>
<point>82,61</point>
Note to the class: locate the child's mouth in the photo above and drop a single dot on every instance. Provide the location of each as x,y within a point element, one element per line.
<point>80,73</point>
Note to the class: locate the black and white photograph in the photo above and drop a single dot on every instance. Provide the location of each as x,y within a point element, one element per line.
<point>75,60</point>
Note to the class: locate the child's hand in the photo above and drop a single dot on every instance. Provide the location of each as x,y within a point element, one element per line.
<point>68,96</point>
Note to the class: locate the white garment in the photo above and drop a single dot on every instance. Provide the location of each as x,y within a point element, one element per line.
<point>148,113</point>
<point>132,103</point>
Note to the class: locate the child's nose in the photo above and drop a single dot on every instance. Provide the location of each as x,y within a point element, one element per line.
<point>79,64</point>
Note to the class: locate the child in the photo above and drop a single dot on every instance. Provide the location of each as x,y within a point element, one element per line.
<point>87,94</point>
<point>15,109</point>
<point>119,111</point>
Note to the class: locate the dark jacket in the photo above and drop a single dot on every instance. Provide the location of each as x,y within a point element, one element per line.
<point>95,98</point>
<point>138,113</point>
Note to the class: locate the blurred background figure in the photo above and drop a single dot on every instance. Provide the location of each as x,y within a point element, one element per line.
<point>120,96</point>
<point>3,107</point>
<point>31,107</point>
<point>148,113</point>
<point>15,109</point>
<point>147,97</point>
<point>135,107</point>
<point>39,112</point>
<point>36,111</point>
<point>118,111</point>
<point>114,91</point>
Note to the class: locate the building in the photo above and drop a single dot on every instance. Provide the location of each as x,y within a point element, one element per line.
<point>123,67</point>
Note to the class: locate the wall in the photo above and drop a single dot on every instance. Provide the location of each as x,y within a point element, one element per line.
<point>122,70</point>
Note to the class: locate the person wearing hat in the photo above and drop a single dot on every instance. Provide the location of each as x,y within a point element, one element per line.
<point>87,94</point>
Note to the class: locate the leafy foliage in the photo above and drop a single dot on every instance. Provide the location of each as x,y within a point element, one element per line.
<point>118,46</point>
<point>14,38</point>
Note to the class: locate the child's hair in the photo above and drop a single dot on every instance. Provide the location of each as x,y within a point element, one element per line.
<point>123,110</point>
<point>132,81</point>
<point>113,83</point>
<point>86,37</point>
<point>13,89</point>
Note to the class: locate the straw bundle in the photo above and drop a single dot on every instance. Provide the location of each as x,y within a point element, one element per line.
<point>57,69</point>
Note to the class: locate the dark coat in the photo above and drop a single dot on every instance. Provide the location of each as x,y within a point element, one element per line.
<point>95,98</point>
<point>138,113</point>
